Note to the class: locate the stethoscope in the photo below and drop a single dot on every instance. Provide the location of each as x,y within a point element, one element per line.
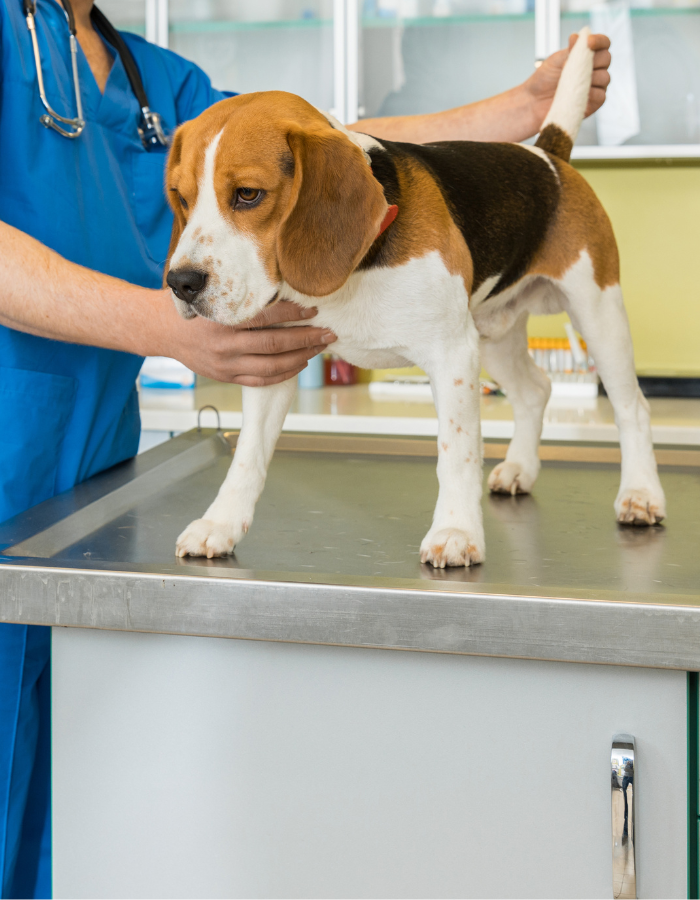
<point>150,128</point>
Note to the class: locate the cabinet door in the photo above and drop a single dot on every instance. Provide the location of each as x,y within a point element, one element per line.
<point>126,15</point>
<point>420,56</point>
<point>205,767</point>
<point>654,95</point>
<point>259,45</point>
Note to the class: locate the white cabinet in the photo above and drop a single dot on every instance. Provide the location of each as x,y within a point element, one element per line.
<point>207,767</point>
<point>363,58</point>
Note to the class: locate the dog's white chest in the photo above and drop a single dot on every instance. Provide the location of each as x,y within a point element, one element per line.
<point>384,317</point>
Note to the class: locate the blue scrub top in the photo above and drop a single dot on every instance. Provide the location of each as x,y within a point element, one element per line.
<point>69,411</point>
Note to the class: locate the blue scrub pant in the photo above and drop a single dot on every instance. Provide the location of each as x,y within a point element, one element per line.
<point>25,761</point>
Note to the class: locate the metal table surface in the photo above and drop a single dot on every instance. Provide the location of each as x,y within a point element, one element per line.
<point>333,556</point>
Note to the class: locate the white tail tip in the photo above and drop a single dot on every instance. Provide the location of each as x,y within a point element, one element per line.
<point>571,97</point>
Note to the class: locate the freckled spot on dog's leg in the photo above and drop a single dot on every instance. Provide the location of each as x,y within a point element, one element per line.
<point>459,429</point>
<point>196,233</point>
<point>471,387</point>
<point>452,421</point>
<point>444,446</point>
<point>458,381</point>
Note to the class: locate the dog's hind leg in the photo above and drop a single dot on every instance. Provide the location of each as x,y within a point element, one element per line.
<point>528,388</point>
<point>231,514</point>
<point>600,316</point>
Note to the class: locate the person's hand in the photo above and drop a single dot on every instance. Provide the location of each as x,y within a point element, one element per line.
<point>542,84</point>
<point>253,353</point>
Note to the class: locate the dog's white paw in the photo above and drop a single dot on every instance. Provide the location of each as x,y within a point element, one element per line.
<point>451,547</point>
<point>512,478</point>
<point>640,507</point>
<point>206,538</point>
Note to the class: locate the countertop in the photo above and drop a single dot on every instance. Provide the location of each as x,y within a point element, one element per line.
<point>351,410</point>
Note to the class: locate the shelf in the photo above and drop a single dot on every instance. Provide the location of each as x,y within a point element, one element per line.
<point>631,152</point>
<point>643,12</point>
<point>132,28</point>
<point>209,26</point>
<point>433,21</point>
<point>228,25</point>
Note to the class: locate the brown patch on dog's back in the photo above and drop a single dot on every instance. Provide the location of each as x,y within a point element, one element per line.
<point>424,222</point>
<point>501,198</point>
<point>580,224</point>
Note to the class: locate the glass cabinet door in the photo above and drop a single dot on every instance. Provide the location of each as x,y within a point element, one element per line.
<point>654,94</point>
<point>420,56</point>
<point>366,58</point>
<point>259,45</point>
<point>126,15</point>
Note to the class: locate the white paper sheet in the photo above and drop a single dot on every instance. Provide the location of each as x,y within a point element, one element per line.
<point>618,119</point>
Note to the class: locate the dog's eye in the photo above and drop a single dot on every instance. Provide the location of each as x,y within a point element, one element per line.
<point>248,197</point>
<point>183,202</point>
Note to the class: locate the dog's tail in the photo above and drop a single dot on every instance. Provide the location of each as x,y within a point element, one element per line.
<point>564,118</point>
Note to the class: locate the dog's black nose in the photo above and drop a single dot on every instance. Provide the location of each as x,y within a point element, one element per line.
<point>186,283</point>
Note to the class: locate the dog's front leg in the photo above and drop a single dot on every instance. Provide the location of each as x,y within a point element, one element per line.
<point>456,537</point>
<point>231,514</point>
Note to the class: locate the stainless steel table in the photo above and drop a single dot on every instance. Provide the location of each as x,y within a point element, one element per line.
<point>189,766</point>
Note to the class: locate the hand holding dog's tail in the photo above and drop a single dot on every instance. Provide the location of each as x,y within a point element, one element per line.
<point>564,118</point>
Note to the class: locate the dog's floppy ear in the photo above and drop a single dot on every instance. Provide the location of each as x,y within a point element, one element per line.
<point>179,217</point>
<point>335,212</point>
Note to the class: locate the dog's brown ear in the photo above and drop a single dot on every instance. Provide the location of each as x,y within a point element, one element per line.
<point>334,215</point>
<point>179,217</point>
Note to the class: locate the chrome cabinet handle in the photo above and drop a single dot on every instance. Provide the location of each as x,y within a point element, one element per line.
<point>623,789</point>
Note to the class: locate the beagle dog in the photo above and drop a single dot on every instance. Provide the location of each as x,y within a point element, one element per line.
<point>431,255</point>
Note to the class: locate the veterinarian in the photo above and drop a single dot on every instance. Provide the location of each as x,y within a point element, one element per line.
<point>85,229</point>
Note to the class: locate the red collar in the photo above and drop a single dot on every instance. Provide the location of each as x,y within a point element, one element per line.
<point>391,213</point>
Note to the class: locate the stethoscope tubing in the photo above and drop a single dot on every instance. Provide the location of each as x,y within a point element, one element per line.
<point>51,118</point>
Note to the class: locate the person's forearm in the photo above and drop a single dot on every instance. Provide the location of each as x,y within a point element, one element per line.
<point>44,294</point>
<point>505,117</point>
<point>512,116</point>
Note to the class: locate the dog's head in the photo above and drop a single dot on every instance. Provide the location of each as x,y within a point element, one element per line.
<point>265,191</point>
